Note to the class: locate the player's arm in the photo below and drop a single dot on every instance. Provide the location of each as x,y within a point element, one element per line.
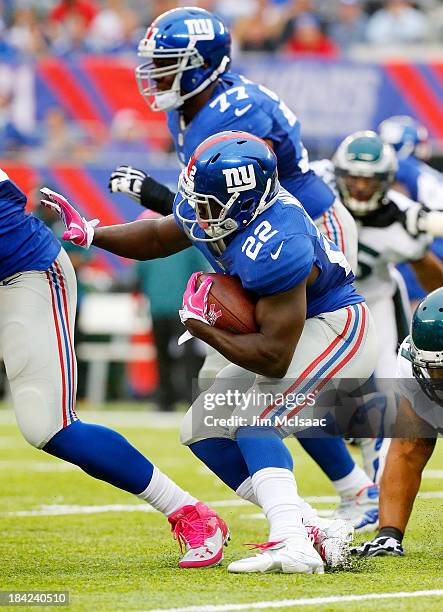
<point>144,239</point>
<point>408,454</point>
<point>269,352</point>
<point>429,271</point>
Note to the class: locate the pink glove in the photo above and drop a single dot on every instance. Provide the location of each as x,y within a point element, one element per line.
<point>78,230</point>
<point>195,304</point>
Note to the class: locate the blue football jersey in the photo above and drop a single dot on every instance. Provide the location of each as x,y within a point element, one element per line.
<point>277,251</point>
<point>424,183</point>
<point>25,241</point>
<point>239,104</point>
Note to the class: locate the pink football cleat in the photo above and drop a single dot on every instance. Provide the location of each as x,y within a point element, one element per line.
<point>202,533</point>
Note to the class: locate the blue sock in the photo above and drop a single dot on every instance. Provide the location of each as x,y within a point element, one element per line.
<point>331,454</point>
<point>263,447</point>
<point>103,454</point>
<point>224,458</point>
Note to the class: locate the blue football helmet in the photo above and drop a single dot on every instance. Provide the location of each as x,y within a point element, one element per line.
<point>190,44</point>
<point>229,180</point>
<point>405,134</point>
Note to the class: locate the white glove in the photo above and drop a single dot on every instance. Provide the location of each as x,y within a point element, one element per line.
<point>126,179</point>
<point>418,219</point>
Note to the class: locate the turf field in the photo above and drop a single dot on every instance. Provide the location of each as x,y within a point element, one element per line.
<point>61,530</point>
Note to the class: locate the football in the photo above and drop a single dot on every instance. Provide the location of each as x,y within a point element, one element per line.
<point>231,306</point>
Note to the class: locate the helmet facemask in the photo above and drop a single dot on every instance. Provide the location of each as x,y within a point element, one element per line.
<point>210,212</point>
<point>365,169</point>
<point>212,215</point>
<point>362,206</point>
<point>423,364</point>
<point>165,63</point>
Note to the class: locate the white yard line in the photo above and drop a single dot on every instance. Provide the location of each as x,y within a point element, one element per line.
<point>20,465</point>
<point>118,418</point>
<point>433,474</point>
<point>62,509</point>
<point>308,601</point>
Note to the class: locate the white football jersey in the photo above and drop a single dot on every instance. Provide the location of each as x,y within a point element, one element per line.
<point>381,245</point>
<point>407,386</point>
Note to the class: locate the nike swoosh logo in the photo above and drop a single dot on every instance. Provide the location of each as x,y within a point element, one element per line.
<point>277,252</point>
<point>241,111</point>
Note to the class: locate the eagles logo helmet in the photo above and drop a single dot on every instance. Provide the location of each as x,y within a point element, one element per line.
<point>188,48</point>
<point>406,135</point>
<point>426,345</point>
<point>364,168</point>
<point>229,180</point>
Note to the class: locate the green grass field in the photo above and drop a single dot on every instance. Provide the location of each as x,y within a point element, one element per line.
<point>127,560</point>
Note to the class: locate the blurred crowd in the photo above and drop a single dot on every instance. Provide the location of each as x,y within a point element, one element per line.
<point>39,29</point>
<point>328,28</point>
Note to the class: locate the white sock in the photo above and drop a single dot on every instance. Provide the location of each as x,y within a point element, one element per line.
<point>246,491</point>
<point>309,514</point>
<point>276,492</point>
<point>354,482</point>
<point>164,495</point>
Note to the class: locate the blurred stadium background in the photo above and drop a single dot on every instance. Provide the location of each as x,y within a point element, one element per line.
<point>70,112</point>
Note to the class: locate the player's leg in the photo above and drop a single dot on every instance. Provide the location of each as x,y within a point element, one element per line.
<point>331,345</point>
<point>37,313</point>
<point>394,325</point>
<point>332,455</point>
<point>223,457</point>
<point>407,457</point>
<point>210,440</point>
<point>373,450</point>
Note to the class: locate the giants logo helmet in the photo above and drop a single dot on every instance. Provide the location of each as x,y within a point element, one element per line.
<point>188,46</point>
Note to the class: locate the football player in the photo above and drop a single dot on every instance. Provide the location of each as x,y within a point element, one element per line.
<point>419,422</point>
<point>187,75</point>
<point>414,176</point>
<point>391,229</point>
<point>313,327</point>
<point>38,295</point>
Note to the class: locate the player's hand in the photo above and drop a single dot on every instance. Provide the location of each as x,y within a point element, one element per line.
<point>378,547</point>
<point>195,304</point>
<point>420,219</point>
<point>78,230</point>
<point>126,179</point>
<point>195,300</point>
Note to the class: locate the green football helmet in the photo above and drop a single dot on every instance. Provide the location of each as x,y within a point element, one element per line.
<point>426,344</point>
<point>364,168</point>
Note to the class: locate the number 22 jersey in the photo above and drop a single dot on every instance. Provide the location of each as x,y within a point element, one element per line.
<point>277,251</point>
